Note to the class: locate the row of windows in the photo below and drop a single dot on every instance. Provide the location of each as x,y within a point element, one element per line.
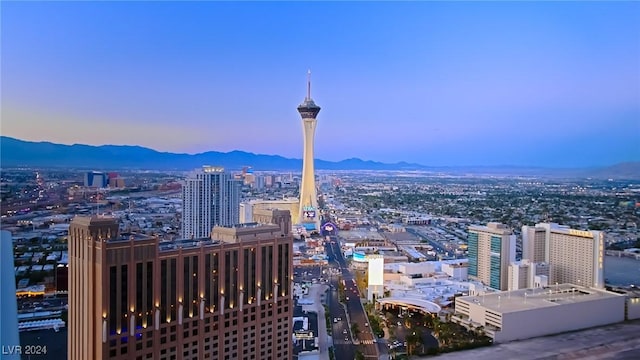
<point>190,298</point>
<point>191,348</point>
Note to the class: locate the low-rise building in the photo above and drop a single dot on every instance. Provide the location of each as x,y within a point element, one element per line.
<point>527,313</point>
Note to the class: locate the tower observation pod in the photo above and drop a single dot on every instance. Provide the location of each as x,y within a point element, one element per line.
<point>308,110</point>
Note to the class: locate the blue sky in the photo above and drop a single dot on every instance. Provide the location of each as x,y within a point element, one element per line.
<point>457,83</point>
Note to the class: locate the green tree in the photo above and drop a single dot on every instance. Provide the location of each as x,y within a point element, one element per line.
<point>414,342</point>
<point>355,329</point>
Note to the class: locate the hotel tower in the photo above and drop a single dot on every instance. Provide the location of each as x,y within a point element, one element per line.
<point>308,198</point>
<point>574,256</point>
<point>210,197</point>
<point>491,249</point>
<point>226,297</point>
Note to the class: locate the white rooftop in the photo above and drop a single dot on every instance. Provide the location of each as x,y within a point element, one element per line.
<point>527,299</point>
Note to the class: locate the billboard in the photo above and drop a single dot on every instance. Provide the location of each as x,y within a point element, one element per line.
<point>358,256</point>
<point>308,213</point>
<point>329,229</point>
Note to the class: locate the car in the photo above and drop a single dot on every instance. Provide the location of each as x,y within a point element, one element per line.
<point>366,324</point>
<point>344,331</point>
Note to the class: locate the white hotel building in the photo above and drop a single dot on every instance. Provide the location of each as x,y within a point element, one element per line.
<point>210,197</point>
<point>574,256</point>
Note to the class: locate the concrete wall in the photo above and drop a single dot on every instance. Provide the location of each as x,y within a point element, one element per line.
<point>556,319</point>
<point>456,271</point>
<point>418,268</point>
<point>633,308</point>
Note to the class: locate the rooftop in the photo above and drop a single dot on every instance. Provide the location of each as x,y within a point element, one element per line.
<point>527,299</point>
<point>186,244</point>
<point>492,227</point>
<point>127,236</point>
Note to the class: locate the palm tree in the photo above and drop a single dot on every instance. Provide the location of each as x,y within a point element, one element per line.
<point>413,340</point>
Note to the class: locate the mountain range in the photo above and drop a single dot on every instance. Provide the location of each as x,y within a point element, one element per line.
<point>20,153</point>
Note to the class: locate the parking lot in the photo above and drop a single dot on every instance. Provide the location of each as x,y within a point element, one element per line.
<point>619,341</point>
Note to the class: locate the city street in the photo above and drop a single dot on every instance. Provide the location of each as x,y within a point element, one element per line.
<point>357,315</point>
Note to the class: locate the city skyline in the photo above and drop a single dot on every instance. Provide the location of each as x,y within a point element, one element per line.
<point>530,84</point>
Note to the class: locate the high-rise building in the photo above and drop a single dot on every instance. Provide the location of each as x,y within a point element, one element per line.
<point>574,256</point>
<point>9,337</point>
<point>96,179</point>
<point>375,277</point>
<point>534,244</point>
<point>224,297</point>
<point>308,213</point>
<point>210,197</point>
<point>525,274</point>
<point>491,249</point>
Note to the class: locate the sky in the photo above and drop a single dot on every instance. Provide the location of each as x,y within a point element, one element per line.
<point>553,84</point>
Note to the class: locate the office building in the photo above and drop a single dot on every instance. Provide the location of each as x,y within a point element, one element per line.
<point>308,214</point>
<point>491,249</point>
<point>227,296</point>
<point>210,197</point>
<point>528,313</point>
<point>574,256</point>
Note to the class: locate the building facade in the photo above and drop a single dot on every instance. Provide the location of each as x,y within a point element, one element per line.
<point>95,179</point>
<point>9,337</point>
<point>210,197</point>
<point>527,313</point>
<point>525,274</point>
<point>308,213</point>
<point>223,297</point>
<point>249,208</point>
<point>534,244</point>
<point>574,256</point>
<point>491,249</point>
<point>375,281</point>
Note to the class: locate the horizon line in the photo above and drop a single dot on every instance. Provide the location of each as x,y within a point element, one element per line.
<point>338,161</point>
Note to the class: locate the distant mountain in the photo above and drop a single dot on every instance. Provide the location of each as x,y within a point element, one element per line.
<point>15,152</point>
<point>20,153</point>
<point>625,170</point>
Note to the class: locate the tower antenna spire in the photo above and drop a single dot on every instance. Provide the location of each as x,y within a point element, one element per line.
<point>309,84</point>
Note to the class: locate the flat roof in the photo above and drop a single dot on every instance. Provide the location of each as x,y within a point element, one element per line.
<point>186,243</point>
<point>358,234</point>
<point>412,252</point>
<point>528,299</point>
<point>130,236</point>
